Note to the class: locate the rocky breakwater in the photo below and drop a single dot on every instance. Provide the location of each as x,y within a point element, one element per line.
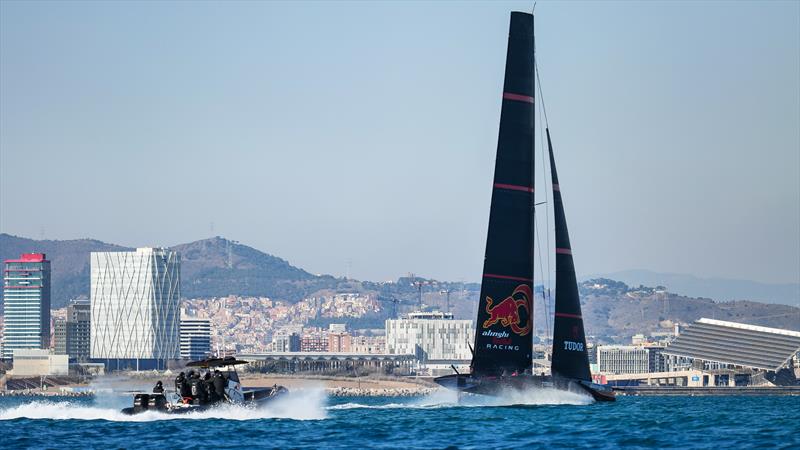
<point>379,392</point>
<point>40,393</point>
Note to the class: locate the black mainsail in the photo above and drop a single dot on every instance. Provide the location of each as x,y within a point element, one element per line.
<point>503,339</point>
<point>570,358</point>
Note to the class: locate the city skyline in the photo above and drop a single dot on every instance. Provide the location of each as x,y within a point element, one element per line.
<point>373,157</point>
<point>334,224</point>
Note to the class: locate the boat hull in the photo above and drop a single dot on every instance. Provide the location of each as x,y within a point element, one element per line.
<point>495,386</point>
<point>253,398</point>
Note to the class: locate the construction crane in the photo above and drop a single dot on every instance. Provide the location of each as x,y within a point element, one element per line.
<point>418,284</point>
<point>394,301</point>
<point>447,293</point>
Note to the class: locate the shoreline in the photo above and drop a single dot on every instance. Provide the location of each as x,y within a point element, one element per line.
<point>708,391</point>
<point>334,386</point>
<point>369,386</point>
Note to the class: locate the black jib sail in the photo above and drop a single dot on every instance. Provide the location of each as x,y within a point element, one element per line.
<point>570,358</point>
<point>503,339</point>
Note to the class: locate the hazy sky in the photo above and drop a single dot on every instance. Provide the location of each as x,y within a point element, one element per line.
<point>328,132</point>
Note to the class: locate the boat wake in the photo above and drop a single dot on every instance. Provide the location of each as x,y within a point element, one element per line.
<point>541,397</point>
<point>306,404</point>
<point>443,398</point>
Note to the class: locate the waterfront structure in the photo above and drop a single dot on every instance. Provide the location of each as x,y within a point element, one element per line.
<point>72,334</point>
<point>26,303</point>
<point>719,345</point>
<point>718,353</point>
<point>430,336</point>
<point>38,362</point>
<point>622,359</point>
<point>195,338</point>
<point>135,301</point>
<point>327,362</point>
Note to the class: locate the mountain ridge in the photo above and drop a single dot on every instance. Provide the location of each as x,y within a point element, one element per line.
<point>211,267</point>
<point>218,267</point>
<point>721,289</point>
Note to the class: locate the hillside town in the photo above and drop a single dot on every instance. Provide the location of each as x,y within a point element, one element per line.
<point>250,324</point>
<point>345,333</point>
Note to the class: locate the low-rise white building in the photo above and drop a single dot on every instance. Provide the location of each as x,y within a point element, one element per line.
<point>620,359</point>
<point>430,336</point>
<point>35,363</point>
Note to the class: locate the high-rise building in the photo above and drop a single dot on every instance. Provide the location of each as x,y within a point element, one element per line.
<point>195,338</point>
<point>430,336</point>
<point>72,335</point>
<point>135,307</point>
<point>60,336</point>
<point>26,303</point>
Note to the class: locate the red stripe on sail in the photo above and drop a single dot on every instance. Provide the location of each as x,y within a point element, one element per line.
<point>513,187</point>
<point>564,251</point>
<point>518,97</point>
<point>571,316</point>
<point>506,277</point>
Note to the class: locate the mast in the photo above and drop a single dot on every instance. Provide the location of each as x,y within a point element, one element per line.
<point>570,357</point>
<point>503,338</point>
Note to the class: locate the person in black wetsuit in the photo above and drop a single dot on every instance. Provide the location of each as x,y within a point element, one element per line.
<point>202,391</point>
<point>211,393</point>
<point>208,385</point>
<point>219,384</point>
<point>186,387</point>
<point>159,388</point>
<point>196,386</point>
<point>179,380</point>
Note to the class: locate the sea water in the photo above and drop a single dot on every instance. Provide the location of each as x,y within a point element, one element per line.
<point>310,419</point>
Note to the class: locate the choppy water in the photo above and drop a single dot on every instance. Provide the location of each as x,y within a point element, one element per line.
<point>309,419</point>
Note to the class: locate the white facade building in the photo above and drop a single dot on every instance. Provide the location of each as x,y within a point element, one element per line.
<point>622,359</point>
<point>195,338</point>
<point>135,305</point>
<point>430,336</point>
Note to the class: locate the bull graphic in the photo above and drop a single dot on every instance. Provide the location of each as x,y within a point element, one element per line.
<point>507,311</point>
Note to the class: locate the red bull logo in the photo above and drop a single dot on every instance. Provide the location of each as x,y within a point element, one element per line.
<point>507,311</point>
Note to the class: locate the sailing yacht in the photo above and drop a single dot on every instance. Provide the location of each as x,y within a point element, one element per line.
<point>502,355</point>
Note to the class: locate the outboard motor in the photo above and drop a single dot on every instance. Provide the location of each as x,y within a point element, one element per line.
<point>141,402</point>
<point>157,402</point>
